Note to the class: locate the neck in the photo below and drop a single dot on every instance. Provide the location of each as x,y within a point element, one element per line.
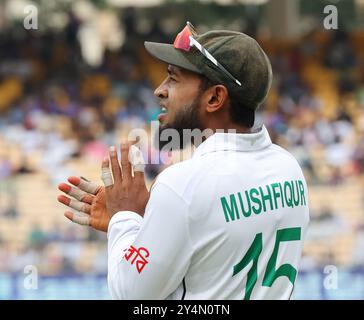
<point>223,123</point>
<point>233,128</point>
<point>229,127</point>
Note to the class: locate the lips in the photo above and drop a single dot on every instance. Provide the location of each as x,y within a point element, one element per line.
<point>163,114</point>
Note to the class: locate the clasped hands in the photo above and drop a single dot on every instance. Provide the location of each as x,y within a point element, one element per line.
<point>124,190</point>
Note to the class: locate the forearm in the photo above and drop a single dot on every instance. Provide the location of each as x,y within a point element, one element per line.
<point>122,231</point>
<point>148,257</point>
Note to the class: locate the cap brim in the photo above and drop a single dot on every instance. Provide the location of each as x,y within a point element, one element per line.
<point>168,54</point>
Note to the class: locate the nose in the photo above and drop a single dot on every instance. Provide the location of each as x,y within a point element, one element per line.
<point>161,92</point>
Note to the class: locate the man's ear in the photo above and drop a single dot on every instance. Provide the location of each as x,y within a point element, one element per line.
<point>216,97</point>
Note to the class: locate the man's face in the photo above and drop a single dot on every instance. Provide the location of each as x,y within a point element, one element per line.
<point>180,97</point>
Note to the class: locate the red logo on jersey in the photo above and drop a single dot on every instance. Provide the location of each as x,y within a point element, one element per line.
<point>139,258</point>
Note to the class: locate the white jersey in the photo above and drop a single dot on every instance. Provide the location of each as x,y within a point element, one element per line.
<point>229,223</point>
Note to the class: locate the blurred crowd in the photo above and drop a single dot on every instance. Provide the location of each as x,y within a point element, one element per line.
<point>53,104</point>
<point>56,252</point>
<point>316,107</point>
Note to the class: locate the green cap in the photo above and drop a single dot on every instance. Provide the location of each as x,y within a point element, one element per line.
<point>240,54</point>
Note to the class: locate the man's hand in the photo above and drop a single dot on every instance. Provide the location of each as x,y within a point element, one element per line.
<point>89,201</point>
<point>128,192</point>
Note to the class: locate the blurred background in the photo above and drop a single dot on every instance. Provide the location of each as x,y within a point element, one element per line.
<point>82,80</point>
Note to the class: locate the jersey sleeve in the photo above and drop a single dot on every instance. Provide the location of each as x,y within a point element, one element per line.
<point>149,257</point>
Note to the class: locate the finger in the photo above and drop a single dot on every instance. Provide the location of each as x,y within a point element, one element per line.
<point>88,198</point>
<point>139,176</point>
<point>137,161</point>
<point>84,184</point>
<point>78,217</point>
<point>115,167</point>
<point>74,204</point>
<point>76,193</point>
<point>106,175</point>
<point>125,163</point>
<point>134,141</point>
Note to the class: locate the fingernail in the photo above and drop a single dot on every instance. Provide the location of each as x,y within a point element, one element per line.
<point>112,149</point>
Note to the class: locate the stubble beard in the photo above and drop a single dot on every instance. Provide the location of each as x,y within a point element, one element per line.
<point>186,119</point>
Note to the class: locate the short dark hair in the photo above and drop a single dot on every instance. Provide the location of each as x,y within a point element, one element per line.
<point>240,113</point>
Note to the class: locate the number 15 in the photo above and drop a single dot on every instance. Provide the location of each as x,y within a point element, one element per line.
<point>271,273</point>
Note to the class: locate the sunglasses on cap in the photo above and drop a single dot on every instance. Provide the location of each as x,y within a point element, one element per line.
<point>185,41</point>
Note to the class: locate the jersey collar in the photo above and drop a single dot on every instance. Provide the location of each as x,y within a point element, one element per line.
<point>243,142</point>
